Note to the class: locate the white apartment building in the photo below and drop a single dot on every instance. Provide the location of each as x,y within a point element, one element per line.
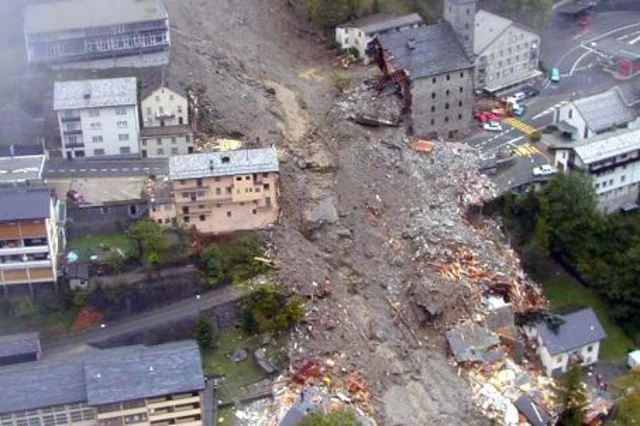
<point>593,115</point>
<point>98,118</point>
<point>613,161</point>
<point>358,34</point>
<point>165,124</point>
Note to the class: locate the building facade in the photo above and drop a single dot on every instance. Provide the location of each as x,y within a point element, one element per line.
<point>221,192</point>
<point>30,237</point>
<point>98,118</point>
<point>613,162</point>
<point>165,125</point>
<point>441,77</point>
<point>359,33</point>
<point>575,341</point>
<point>91,33</point>
<point>594,115</point>
<point>460,14</point>
<point>154,385</point>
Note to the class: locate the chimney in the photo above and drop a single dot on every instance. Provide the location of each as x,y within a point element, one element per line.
<point>411,43</point>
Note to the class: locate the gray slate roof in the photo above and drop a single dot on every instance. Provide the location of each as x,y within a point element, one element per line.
<point>608,145</point>
<point>604,110</point>
<point>223,163</point>
<point>580,328</point>
<point>532,411</point>
<point>437,50</point>
<point>488,26</point>
<point>72,378</point>
<point>76,14</point>
<point>384,22</point>
<point>22,204</point>
<point>19,344</point>
<point>144,372</point>
<point>21,168</point>
<point>630,92</point>
<point>107,92</point>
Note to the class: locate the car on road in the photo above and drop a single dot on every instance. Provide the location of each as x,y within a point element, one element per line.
<point>492,126</point>
<point>554,75</point>
<point>518,110</point>
<point>530,92</point>
<point>544,170</point>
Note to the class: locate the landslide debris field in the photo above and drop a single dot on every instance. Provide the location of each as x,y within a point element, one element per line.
<point>369,225</point>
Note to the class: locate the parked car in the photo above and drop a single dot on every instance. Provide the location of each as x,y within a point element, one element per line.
<point>554,75</point>
<point>492,126</point>
<point>544,170</point>
<point>530,92</point>
<point>518,110</point>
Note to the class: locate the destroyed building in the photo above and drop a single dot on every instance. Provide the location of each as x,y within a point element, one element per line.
<point>437,75</point>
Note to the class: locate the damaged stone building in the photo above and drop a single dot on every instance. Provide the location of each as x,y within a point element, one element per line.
<point>440,75</point>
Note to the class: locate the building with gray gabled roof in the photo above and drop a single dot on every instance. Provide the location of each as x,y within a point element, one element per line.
<point>97,33</point>
<point>125,385</point>
<point>221,192</point>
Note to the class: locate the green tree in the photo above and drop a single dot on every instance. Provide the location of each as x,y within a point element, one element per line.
<point>233,260</point>
<point>204,332</point>
<point>150,242</point>
<point>572,397</point>
<point>337,417</point>
<point>628,404</point>
<point>270,309</point>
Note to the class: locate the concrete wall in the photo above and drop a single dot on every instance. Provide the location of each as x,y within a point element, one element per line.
<point>103,131</point>
<point>617,186</point>
<point>106,218</point>
<point>510,58</point>
<point>572,116</point>
<point>165,146</point>
<point>164,107</point>
<point>443,104</point>
<point>461,16</point>
<point>348,37</point>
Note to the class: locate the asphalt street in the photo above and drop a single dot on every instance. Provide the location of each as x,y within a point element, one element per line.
<point>79,168</point>
<point>564,46</point>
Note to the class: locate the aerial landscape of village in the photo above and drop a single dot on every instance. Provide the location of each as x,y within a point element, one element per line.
<point>320,212</point>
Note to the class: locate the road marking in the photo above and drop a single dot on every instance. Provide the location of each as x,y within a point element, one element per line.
<point>114,170</point>
<point>83,170</point>
<point>525,128</point>
<point>635,40</point>
<point>135,169</point>
<point>104,170</point>
<point>145,168</point>
<point>526,150</point>
<point>125,169</point>
<point>575,64</point>
<point>72,170</point>
<point>93,170</point>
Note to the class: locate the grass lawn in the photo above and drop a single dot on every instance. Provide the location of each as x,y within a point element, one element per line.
<point>237,374</point>
<point>100,245</point>
<point>563,291</point>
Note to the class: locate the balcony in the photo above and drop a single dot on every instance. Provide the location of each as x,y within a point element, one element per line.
<point>72,132</point>
<point>165,115</point>
<point>71,118</point>
<point>74,144</point>
<point>14,251</point>
<point>28,264</point>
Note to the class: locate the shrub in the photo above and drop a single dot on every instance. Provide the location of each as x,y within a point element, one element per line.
<point>535,136</point>
<point>204,332</point>
<point>337,417</point>
<point>269,309</point>
<point>340,81</point>
<point>233,261</point>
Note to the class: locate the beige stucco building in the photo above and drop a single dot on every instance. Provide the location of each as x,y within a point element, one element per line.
<point>221,192</point>
<point>165,125</point>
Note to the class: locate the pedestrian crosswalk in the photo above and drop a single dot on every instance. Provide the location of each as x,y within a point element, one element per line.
<point>525,128</point>
<point>524,150</point>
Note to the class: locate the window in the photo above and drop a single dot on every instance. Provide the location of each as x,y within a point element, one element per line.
<point>121,111</point>
<point>157,98</point>
<point>71,126</point>
<point>170,97</point>
<point>96,139</point>
<point>218,191</point>
<point>448,92</point>
<point>122,137</point>
<point>148,111</point>
<point>160,151</point>
<point>98,152</point>
<point>180,109</point>
<point>238,178</point>
<point>228,214</point>
<point>433,95</point>
<point>570,113</point>
<point>266,186</point>
<point>122,124</point>
<point>95,126</point>
<point>461,74</point>
<point>264,175</point>
<point>144,142</point>
<point>590,348</point>
<point>559,359</point>
<point>461,89</point>
<point>198,182</point>
<point>254,211</point>
<point>433,80</point>
<point>433,122</point>
<point>174,151</point>
<point>158,141</point>
<point>459,116</point>
<point>202,218</point>
<point>186,219</point>
<point>247,178</point>
<point>94,112</point>
<point>185,210</point>
<point>72,139</point>
<point>459,103</point>
<point>446,119</point>
<point>173,140</point>
<point>433,108</point>
<point>125,150</point>
<point>446,106</point>
<point>228,190</point>
<point>161,110</point>
<point>610,181</point>
<point>622,178</point>
<point>267,201</point>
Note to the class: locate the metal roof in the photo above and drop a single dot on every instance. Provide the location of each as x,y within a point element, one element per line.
<point>124,374</point>
<point>488,26</point>
<point>532,411</point>
<point>223,163</point>
<point>78,14</point>
<point>604,110</point>
<point>384,21</point>
<point>580,328</point>
<point>23,204</point>
<point>607,146</point>
<point>19,344</point>
<point>436,51</point>
<point>144,372</point>
<point>107,92</point>
<point>21,168</point>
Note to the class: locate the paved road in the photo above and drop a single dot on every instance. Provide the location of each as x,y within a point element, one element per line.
<point>174,312</point>
<point>105,168</point>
